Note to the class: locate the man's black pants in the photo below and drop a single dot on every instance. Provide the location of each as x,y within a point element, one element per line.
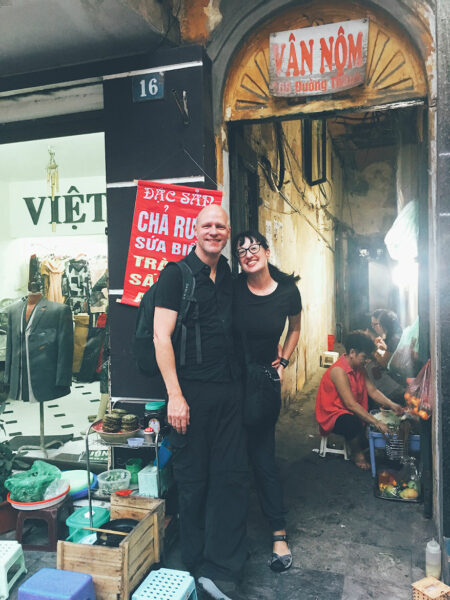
<point>211,471</point>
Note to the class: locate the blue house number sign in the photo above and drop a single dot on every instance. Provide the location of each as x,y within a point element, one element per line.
<point>149,86</point>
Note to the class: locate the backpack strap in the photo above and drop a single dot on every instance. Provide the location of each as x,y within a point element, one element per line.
<point>188,299</point>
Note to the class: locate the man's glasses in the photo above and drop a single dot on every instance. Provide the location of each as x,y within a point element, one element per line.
<point>253,249</point>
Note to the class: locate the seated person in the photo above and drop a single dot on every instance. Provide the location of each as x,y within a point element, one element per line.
<point>342,397</point>
<point>387,327</point>
<point>378,374</point>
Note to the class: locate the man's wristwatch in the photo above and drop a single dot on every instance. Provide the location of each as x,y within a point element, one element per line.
<point>284,362</point>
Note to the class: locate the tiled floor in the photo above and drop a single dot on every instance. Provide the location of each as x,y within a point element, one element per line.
<point>64,416</point>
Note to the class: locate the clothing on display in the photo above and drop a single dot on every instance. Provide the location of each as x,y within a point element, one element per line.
<point>80,335</point>
<point>52,270</point>
<point>81,283</point>
<point>92,351</point>
<point>34,275</point>
<point>39,351</point>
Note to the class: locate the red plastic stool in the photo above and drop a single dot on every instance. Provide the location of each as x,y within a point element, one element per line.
<point>51,515</point>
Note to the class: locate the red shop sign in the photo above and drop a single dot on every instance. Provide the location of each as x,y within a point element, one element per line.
<point>162,231</point>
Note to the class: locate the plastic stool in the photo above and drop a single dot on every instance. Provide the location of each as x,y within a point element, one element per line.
<point>11,554</point>
<point>325,449</point>
<point>166,584</point>
<point>57,585</point>
<point>50,515</point>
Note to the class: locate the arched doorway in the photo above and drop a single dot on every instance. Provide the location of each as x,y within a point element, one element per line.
<point>395,70</point>
<point>395,78</point>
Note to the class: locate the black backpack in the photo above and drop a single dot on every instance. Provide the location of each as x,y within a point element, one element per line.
<point>144,347</point>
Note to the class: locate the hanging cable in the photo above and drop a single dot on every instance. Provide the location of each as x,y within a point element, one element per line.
<point>275,184</point>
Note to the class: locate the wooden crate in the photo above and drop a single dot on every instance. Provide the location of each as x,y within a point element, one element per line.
<point>430,588</point>
<point>137,507</point>
<point>116,572</point>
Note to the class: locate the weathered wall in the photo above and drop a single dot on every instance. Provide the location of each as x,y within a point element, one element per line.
<point>371,204</point>
<point>440,224</point>
<point>298,246</point>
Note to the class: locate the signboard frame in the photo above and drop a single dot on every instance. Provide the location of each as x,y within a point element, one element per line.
<point>313,61</point>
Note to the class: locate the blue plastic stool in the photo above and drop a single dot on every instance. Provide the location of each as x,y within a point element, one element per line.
<point>166,584</point>
<point>56,584</point>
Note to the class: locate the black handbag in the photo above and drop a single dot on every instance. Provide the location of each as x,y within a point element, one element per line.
<point>262,392</point>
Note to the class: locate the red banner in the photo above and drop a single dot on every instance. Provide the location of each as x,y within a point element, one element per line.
<point>162,231</point>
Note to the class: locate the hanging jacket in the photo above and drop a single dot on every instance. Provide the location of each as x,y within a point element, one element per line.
<point>50,350</point>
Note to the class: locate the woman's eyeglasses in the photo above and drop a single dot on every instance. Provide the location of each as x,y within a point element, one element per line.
<point>253,249</point>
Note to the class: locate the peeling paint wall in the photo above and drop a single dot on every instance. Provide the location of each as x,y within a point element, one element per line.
<point>371,201</point>
<point>159,14</point>
<point>198,19</point>
<point>297,246</point>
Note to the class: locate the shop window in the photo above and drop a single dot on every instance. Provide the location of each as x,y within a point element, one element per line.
<point>53,290</point>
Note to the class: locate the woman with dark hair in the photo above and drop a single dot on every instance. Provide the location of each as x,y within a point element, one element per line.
<point>387,326</point>
<point>264,297</point>
<point>342,398</point>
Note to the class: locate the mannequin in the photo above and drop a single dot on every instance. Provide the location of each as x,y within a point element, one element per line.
<point>39,351</point>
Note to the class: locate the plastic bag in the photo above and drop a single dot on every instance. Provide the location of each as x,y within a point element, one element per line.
<point>30,486</point>
<point>56,488</point>
<point>403,362</point>
<point>418,397</point>
<point>401,239</point>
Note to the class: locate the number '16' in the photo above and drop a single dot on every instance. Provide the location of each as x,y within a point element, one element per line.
<point>152,87</point>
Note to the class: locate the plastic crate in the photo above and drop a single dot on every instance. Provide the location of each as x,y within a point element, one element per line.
<point>430,588</point>
<point>379,440</point>
<point>80,519</point>
<point>148,480</point>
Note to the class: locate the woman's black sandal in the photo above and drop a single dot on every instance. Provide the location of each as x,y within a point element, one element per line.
<point>280,563</point>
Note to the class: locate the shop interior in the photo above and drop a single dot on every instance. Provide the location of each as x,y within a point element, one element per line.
<point>53,243</point>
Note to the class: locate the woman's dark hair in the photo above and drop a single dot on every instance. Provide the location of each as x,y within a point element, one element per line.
<point>389,322</point>
<point>359,341</point>
<point>257,237</point>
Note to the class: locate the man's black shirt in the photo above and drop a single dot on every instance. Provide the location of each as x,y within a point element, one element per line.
<point>215,313</point>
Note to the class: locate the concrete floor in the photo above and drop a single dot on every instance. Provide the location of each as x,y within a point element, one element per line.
<point>347,544</point>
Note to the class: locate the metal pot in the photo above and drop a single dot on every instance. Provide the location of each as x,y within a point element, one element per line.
<point>111,540</point>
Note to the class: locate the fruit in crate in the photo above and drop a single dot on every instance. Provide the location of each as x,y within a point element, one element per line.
<point>413,404</point>
<point>409,494</point>
<point>390,491</point>
<point>414,485</point>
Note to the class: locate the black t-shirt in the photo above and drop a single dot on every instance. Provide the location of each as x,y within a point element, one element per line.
<point>263,317</point>
<point>215,311</point>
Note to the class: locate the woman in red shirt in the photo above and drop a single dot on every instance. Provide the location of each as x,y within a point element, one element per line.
<point>342,397</point>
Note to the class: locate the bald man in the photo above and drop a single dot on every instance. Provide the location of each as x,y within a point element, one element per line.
<point>204,410</point>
